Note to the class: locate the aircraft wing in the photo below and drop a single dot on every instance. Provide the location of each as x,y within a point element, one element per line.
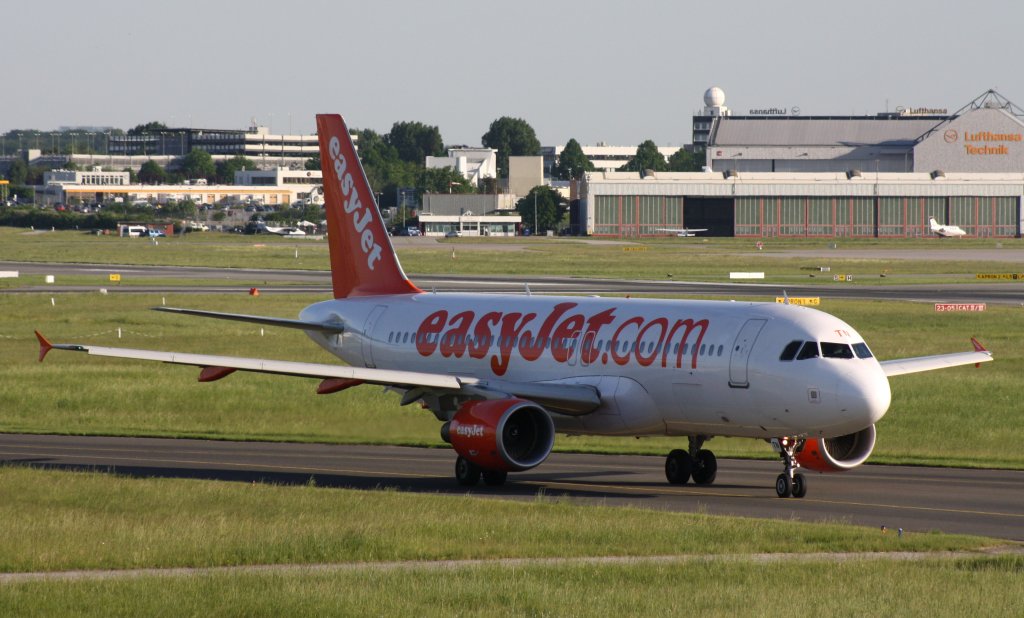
<point>571,399</point>
<point>681,230</point>
<point>901,366</point>
<point>327,327</point>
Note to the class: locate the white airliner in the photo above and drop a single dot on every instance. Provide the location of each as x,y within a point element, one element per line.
<point>682,232</point>
<point>948,231</point>
<point>504,373</point>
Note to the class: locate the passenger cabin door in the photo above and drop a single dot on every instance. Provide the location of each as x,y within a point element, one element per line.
<point>740,355</point>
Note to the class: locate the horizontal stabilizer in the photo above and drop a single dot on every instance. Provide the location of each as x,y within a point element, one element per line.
<point>327,327</point>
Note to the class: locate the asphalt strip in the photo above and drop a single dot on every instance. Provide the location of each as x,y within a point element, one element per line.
<point>450,565</point>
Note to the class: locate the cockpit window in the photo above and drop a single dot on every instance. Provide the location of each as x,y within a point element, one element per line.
<point>789,353</point>
<point>862,350</point>
<point>810,350</point>
<point>835,350</point>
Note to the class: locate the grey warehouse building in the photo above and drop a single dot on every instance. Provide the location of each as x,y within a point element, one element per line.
<point>831,176</point>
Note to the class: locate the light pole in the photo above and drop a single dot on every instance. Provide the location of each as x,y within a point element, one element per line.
<point>534,213</point>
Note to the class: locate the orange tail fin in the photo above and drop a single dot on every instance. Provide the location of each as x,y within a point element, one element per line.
<point>363,262</point>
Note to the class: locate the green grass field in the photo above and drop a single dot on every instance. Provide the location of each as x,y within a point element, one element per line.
<point>840,589</point>
<point>58,520</point>
<point>55,521</point>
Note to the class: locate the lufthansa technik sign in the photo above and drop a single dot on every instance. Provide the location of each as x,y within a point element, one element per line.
<point>987,142</point>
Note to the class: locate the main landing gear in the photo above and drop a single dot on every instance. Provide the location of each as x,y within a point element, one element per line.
<point>789,484</point>
<point>469,474</point>
<point>696,463</point>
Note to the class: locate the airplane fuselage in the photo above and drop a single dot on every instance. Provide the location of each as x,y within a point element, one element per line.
<point>661,366</point>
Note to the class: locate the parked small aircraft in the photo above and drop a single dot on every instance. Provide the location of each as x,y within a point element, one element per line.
<point>285,231</point>
<point>683,232</point>
<point>947,231</point>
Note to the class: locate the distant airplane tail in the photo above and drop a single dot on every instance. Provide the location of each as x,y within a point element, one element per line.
<point>935,224</point>
<point>363,262</point>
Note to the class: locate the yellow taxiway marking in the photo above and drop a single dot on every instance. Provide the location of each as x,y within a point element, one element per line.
<point>251,453</point>
<point>256,452</point>
<point>229,464</point>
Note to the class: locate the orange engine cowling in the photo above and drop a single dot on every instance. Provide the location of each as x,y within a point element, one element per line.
<point>501,434</point>
<point>839,453</point>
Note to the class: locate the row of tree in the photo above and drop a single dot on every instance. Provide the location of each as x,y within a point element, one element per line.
<point>413,142</point>
<point>394,160</point>
<point>195,165</point>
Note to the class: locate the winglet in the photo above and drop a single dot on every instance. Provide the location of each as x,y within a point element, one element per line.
<point>979,348</point>
<point>44,345</point>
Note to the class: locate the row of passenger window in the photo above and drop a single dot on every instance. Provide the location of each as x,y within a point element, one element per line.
<point>645,347</point>
<point>802,350</point>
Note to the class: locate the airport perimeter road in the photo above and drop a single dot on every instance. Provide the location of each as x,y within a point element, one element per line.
<point>232,280</point>
<point>980,502</point>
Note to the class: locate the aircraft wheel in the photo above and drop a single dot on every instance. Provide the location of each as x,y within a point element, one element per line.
<point>494,478</point>
<point>705,467</point>
<point>784,486</point>
<point>678,467</point>
<point>799,486</point>
<point>467,473</point>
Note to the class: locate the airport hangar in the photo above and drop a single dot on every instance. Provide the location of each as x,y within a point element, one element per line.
<point>780,175</point>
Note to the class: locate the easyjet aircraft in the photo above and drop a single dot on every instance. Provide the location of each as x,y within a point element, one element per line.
<point>505,373</point>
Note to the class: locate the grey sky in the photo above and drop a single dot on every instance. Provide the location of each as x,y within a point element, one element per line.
<point>618,72</point>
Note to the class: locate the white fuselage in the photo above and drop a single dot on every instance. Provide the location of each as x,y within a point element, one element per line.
<point>661,366</point>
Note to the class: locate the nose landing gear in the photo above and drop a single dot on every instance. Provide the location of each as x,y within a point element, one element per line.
<point>789,484</point>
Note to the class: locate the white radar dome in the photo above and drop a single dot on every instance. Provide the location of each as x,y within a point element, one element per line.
<point>714,97</point>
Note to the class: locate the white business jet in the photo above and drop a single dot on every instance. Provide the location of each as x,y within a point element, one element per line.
<point>946,231</point>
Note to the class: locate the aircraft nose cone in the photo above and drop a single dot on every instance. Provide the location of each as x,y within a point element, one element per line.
<point>865,395</point>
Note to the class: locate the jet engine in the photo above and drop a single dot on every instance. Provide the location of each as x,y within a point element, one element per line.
<point>501,434</point>
<point>839,453</point>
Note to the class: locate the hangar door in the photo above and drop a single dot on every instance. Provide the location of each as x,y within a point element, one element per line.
<point>717,214</point>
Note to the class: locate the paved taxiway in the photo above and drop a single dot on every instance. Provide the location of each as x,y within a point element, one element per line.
<point>981,502</point>
<point>229,280</point>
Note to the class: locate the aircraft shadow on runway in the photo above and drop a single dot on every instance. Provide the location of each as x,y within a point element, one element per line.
<point>518,486</point>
